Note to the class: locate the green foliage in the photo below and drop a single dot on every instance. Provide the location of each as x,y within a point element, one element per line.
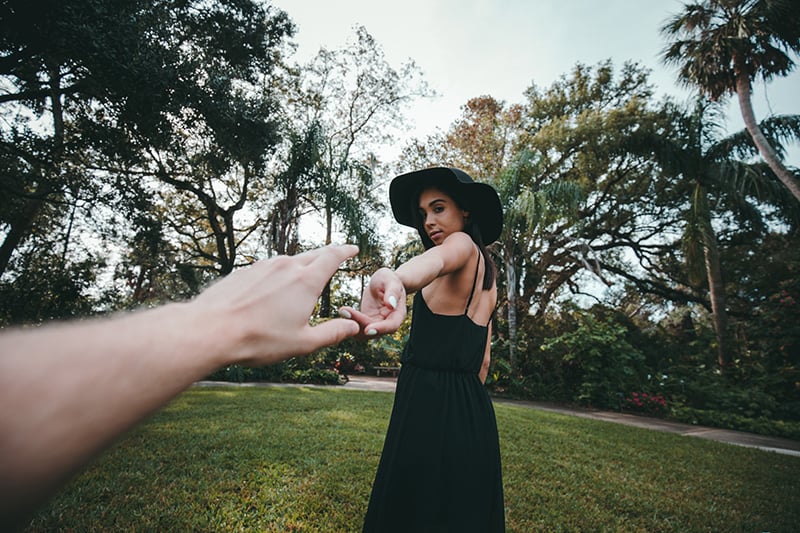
<point>768,301</point>
<point>385,351</point>
<point>302,459</point>
<point>46,288</point>
<point>104,98</point>
<point>671,359</point>
<point>716,42</point>
<point>721,48</point>
<point>600,360</point>
<point>728,420</point>
<point>296,370</point>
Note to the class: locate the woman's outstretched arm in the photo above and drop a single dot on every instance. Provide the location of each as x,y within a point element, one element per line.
<point>383,306</point>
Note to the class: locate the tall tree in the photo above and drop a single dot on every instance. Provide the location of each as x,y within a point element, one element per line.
<point>529,208</point>
<point>290,188</point>
<point>571,185</point>
<point>584,130</point>
<point>719,183</point>
<point>124,83</point>
<point>721,46</point>
<point>357,100</point>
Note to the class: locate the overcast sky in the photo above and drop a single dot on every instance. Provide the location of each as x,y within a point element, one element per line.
<point>468,48</point>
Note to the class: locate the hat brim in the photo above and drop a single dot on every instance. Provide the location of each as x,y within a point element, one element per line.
<point>482,200</point>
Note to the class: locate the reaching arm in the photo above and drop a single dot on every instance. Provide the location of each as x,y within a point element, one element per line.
<point>446,258</point>
<point>69,390</point>
<point>383,305</point>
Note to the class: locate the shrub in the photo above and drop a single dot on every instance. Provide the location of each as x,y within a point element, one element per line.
<point>642,402</point>
<point>602,361</point>
<point>761,425</point>
<point>284,372</point>
<point>314,376</point>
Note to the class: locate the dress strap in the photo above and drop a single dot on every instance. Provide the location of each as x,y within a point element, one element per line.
<point>474,283</point>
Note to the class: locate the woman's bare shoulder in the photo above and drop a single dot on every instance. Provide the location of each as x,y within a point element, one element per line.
<point>459,239</point>
<point>456,251</point>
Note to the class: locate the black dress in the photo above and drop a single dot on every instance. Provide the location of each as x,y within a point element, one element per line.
<point>440,467</point>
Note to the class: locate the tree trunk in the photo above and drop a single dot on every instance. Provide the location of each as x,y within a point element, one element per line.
<point>325,301</point>
<point>68,235</point>
<point>511,289</point>
<point>21,227</point>
<point>716,287</point>
<point>18,230</point>
<point>765,149</point>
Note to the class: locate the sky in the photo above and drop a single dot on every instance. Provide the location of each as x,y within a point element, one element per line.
<point>469,48</point>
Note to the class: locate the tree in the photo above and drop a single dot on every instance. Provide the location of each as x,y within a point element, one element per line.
<point>355,99</point>
<point>482,139</point>
<point>719,183</point>
<point>290,188</point>
<point>571,186</point>
<point>529,208</point>
<point>210,168</point>
<point>221,134</point>
<point>723,45</point>
<point>103,94</point>
<point>585,130</point>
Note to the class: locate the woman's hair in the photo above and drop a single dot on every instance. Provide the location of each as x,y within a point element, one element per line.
<point>470,227</point>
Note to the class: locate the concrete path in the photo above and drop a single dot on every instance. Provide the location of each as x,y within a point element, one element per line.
<point>739,438</point>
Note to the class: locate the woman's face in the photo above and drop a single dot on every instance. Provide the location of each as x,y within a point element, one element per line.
<point>440,215</point>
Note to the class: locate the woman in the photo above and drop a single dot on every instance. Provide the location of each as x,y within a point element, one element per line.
<point>440,467</point>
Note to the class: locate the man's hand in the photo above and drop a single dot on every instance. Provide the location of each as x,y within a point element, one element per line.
<point>268,306</point>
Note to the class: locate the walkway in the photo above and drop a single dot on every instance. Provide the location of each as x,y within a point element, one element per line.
<point>739,438</point>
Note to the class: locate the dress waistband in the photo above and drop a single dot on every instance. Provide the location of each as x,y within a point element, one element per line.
<point>440,370</point>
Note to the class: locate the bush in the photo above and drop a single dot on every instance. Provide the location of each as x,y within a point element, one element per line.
<point>284,372</point>
<point>642,402</point>
<point>314,376</point>
<point>761,425</point>
<point>602,362</point>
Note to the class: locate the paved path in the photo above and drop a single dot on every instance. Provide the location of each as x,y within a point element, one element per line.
<point>739,438</point>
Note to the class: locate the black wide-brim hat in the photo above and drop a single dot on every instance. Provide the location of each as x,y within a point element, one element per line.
<point>480,199</point>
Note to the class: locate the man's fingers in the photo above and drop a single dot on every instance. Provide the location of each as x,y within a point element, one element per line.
<point>331,332</point>
<point>331,254</point>
<point>324,262</point>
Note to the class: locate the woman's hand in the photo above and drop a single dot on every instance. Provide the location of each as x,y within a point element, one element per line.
<point>383,305</point>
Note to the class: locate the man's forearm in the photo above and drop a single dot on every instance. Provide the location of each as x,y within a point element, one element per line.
<point>69,390</point>
<point>54,417</point>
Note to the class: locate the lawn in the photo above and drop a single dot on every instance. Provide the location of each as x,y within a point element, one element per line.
<point>303,459</point>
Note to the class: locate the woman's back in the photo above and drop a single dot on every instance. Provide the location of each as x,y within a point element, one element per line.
<point>450,334</point>
<point>462,292</point>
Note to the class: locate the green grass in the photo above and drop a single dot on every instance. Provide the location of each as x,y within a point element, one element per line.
<point>303,459</point>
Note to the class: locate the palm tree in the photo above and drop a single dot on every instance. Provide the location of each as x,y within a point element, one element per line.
<point>528,209</point>
<point>718,178</point>
<point>721,46</point>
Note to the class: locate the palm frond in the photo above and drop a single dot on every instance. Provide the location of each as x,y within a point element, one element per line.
<point>553,201</point>
<point>714,41</point>
<point>779,129</point>
<point>736,146</point>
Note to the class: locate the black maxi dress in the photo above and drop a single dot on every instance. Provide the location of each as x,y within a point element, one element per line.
<point>440,466</point>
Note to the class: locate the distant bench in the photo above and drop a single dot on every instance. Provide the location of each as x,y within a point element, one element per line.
<point>386,370</point>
